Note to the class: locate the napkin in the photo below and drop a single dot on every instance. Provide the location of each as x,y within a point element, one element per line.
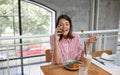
<point>108,57</point>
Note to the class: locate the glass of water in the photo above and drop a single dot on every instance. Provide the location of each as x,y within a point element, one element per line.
<point>83,70</point>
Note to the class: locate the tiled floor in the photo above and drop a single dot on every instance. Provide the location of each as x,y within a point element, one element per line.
<point>34,69</point>
<point>28,70</point>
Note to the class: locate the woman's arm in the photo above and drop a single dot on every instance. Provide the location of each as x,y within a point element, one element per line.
<point>89,41</point>
<point>56,50</point>
<point>56,53</point>
<point>87,45</point>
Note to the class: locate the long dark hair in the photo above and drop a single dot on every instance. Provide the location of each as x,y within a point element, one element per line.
<point>66,17</point>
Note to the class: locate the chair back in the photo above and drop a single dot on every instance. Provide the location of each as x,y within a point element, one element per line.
<point>99,53</point>
<point>48,55</point>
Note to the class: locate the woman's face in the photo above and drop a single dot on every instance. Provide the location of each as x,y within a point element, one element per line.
<point>64,26</point>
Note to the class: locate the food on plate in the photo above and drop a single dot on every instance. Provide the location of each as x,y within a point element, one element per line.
<point>75,65</point>
<point>72,64</point>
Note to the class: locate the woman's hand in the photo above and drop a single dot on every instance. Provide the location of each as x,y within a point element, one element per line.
<point>92,39</point>
<point>89,41</point>
<point>58,32</point>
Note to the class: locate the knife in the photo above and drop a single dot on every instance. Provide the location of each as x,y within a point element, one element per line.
<point>99,61</point>
<point>54,67</point>
<point>58,66</point>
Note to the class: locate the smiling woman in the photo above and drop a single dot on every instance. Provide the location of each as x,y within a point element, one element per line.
<point>66,45</point>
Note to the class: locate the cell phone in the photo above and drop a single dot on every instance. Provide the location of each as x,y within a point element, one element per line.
<point>60,32</point>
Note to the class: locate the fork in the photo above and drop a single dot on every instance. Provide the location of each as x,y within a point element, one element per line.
<point>99,61</point>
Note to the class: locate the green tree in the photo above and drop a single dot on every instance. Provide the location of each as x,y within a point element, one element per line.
<point>35,20</point>
<point>5,10</point>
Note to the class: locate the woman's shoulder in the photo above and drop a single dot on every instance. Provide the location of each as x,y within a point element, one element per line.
<point>52,36</point>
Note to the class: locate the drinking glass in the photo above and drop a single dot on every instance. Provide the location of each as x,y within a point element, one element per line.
<point>87,60</point>
<point>83,70</point>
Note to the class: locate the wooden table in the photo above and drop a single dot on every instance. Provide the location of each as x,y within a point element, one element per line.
<point>93,70</point>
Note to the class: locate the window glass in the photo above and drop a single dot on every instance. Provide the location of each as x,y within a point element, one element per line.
<point>35,20</point>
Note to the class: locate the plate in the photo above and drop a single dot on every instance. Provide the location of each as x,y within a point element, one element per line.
<point>108,57</point>
<point>67,64</point>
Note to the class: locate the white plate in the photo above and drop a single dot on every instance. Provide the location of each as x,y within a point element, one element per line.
<point>108,57</point>
<point>68,63</point>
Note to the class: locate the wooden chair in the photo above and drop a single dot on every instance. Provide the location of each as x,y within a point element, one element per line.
<point>99,53</point>
<point>48,55</point>
<point>94,54</point>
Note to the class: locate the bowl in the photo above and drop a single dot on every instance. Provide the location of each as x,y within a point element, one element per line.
<point>72,64</point>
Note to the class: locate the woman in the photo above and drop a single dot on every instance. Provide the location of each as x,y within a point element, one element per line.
<point>66,45</point>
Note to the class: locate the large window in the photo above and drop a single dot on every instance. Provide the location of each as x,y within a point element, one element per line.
<point>36,20</point>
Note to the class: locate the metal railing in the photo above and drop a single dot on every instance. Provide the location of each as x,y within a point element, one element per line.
<point>107,39</point>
